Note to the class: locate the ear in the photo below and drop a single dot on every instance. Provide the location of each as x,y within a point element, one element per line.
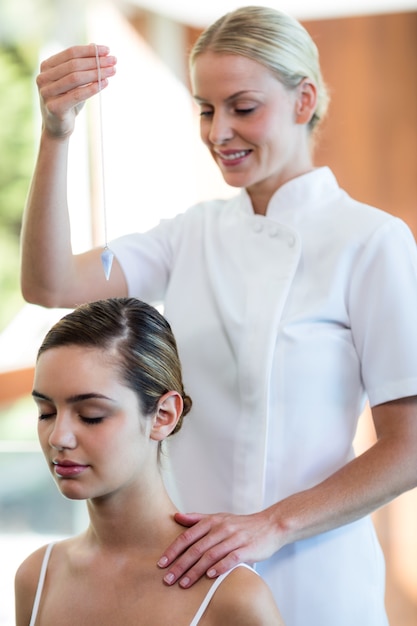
<point>306,101</point>
<point>168,413</point>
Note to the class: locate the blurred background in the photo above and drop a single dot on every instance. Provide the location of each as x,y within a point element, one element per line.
<point>154,167</point>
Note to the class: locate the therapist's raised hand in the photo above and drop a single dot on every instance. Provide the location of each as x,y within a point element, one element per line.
<point>67,80</point>
<point>212,544</point>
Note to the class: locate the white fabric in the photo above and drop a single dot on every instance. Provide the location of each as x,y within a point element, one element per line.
<point>285,324</point>
<point>211,593</point>
<point>41,583</point>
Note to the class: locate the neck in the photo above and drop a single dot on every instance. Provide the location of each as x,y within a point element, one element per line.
<point>143,519</point>
<point>262,192</point>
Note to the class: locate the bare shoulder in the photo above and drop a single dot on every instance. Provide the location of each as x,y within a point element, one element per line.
<point>27,574</point>
<point>26,582</point>
<point>244,599</point>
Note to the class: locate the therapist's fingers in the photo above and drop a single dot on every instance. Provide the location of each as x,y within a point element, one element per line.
<point>67,80</point>
<point>215,543</point>
<point>186,539</point>
<point>212,546</point>
<point>189,519</point>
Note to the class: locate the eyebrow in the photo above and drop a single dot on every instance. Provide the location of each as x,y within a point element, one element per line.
<point>37,395</point>
<point>238,94</point>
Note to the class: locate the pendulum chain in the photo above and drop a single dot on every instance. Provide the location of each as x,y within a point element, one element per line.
<point>107,255</point>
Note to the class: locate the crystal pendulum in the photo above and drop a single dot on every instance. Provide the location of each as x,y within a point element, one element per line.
<point>107,255</point>
<point>107,260</point>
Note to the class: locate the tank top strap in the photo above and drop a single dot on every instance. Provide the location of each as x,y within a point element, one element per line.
<point>212,591</point>
<point>41,582</point>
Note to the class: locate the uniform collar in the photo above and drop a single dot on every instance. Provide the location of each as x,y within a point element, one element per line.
<point>304,193</point>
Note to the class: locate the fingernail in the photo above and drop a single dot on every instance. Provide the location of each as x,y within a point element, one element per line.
<point>212,573</point>
<point>163,561</point>
<point>169,578</point>
<point>184,582</point>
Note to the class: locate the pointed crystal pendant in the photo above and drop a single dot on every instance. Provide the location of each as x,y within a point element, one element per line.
<point>107,260</point>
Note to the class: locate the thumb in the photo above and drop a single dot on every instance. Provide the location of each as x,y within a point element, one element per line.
<point>188,519</point>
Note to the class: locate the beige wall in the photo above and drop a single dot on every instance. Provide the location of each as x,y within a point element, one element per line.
<point>370,136</point>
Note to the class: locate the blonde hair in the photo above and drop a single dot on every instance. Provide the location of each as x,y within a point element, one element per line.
<point>276,40</point>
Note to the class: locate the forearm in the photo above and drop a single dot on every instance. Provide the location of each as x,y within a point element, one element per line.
<point>46,255</point>
<point>50,274</point>
<point>364,485</point>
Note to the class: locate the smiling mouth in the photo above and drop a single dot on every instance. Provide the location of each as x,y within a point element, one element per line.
<point>233,156</point>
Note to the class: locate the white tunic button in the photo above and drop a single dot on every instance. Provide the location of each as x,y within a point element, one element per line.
<point>257,227</point>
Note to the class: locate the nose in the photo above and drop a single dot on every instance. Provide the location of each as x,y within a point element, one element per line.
<point>220,129</point>
<point>62,434</point>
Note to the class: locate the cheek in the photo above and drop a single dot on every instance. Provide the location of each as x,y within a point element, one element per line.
<point>204,132</point>
<point>43,436</point>
<point>263,131</point>
<point>122,442</point>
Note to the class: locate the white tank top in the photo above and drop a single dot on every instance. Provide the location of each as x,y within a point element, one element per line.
<point>194,621</point>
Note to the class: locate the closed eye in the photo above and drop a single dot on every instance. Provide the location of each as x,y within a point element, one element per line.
<point>91,420</point>
<point>45,416</point>
<point>245,111</point>
<point>86,420</point>
<point>240,111</point>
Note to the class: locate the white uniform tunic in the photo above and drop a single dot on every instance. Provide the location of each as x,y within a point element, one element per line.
<point>286,325</point>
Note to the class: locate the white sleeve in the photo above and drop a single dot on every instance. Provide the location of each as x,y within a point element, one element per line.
<point>147,258</point>
<point>383,313</point>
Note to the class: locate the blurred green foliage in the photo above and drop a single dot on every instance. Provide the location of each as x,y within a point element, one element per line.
<point>16,164</point>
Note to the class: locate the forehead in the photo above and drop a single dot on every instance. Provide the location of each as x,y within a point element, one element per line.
<point>75,365</point>
<point>226,72</point>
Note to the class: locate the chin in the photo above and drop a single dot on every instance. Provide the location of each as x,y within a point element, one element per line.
<point>71,493</point>
<point>73,496</point>
<point>236,179</point>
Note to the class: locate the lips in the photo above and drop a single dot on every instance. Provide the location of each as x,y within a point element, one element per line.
<point>68,469</point>
<point>232,157</point>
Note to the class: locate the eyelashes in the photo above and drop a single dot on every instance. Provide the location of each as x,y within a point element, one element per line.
<point>91,420</point>
<point>45,416</point>
<point>85,420</point>
<point>241,112</point>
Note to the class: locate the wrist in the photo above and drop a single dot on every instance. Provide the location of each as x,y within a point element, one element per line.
<point>55,133</point>
<point>290,520</point>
